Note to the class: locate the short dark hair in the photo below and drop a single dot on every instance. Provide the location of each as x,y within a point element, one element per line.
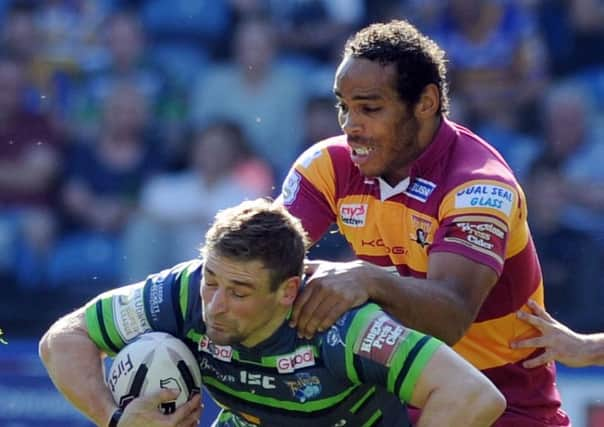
<point>260,230</point>
<point>419,60</point>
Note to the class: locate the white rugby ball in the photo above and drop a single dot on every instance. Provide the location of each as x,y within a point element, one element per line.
<point>154,361</point>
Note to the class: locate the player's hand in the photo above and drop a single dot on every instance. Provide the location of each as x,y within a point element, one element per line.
<point>332,288</point>
<point>144,411</point>
<point>559,342</point>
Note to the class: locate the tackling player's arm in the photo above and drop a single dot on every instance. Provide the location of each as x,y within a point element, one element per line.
<point>443,305</point>
<point>453,292</point>
<point>459,277</point>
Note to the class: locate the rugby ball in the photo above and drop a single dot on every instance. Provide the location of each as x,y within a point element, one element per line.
<point>154,361</point>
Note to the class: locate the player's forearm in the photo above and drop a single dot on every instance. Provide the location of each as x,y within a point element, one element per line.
<point>594,349</point>
<point>451,392</point>
<point>472,406</point>
<point>425,305</point>
<point>75,367</point>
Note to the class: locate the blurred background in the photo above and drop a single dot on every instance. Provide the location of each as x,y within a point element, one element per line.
<point>125,125</point>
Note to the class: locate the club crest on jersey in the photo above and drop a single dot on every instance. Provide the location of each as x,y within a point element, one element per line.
<point>354,214</point>
<point>422,229</point>
<point>305,387</point>
<point>420,189</point>
<point>220,352</point>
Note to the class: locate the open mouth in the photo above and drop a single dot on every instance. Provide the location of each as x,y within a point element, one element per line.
<point>360,154</point>
<point>361,151</point>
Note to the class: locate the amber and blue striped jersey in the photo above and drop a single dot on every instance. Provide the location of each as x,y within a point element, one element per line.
<point>359,372</point>
<point>460,197</point>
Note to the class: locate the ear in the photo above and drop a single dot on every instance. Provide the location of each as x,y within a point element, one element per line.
<point>429,102</point>
<point>289,290</point>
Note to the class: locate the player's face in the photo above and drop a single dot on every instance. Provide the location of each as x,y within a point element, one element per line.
<point>238,305</point>
<point>381,130</point>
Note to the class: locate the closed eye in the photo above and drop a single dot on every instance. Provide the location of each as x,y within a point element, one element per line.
<point>369,110</point>
<point>238,294</point>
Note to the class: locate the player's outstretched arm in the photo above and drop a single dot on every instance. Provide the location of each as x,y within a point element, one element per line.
<point>74,364</point>
<point>559,342</point>
<point>451,392</point>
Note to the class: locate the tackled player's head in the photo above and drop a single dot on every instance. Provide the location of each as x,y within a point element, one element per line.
<point>253,261</point>
<point>260,230</point>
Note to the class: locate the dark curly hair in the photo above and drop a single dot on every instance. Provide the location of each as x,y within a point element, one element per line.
<point>419,60</point>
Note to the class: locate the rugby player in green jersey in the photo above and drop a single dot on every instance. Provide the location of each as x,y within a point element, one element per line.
<point>360,372</point>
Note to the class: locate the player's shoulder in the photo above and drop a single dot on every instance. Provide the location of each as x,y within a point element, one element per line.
<point>177,272</point>
<point>358,316</point>
<point>334,150</point>
<point>477,177</point>
<point>474,158</point>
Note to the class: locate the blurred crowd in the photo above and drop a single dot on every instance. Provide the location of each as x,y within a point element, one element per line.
<point>125,125</point>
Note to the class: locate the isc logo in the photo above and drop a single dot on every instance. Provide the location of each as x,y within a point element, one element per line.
<point>257,379</point>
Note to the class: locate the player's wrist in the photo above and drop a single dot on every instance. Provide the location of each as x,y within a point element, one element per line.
<point>594,349</point>
<point>115,417</point>
<point>370,282</point>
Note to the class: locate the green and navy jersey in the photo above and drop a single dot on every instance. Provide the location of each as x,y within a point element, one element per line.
<point>358,373</point>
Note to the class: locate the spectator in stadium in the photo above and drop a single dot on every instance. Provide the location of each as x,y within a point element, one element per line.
<point>252,363</point>
<point>311,29</point>
<point>433,212</point>
<point>574,32</point>
<point>572,138</point>
<point>100,191</point>
<point>320,123</point>
<point>125,60</point>
<point>570,259</point>
<point>176,207</point>
<point>20,38</point>
<point>252,82</point>
<point>498,60</point>
<point>559,342</point>
<point>30,166</point>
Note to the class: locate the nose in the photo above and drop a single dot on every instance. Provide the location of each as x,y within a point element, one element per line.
<point>350,123</point>
<point>218,302</point>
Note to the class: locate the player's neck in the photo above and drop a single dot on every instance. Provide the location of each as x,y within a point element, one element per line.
<point>267,330</point>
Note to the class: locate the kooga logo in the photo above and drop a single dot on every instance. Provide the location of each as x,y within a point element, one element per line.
<point>354,214</point>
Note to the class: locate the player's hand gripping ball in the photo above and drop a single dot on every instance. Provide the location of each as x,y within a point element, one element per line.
<point>154,361</point>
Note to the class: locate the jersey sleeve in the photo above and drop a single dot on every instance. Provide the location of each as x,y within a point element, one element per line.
<point>368,346</point>
<point>160,303</point>
<point>308,191</point>
<point>476,219</point>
